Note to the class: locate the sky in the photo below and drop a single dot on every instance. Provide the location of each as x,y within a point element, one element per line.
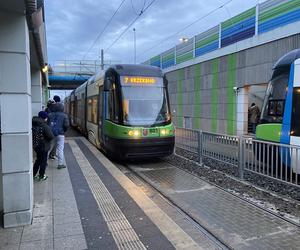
<point>73,26</point>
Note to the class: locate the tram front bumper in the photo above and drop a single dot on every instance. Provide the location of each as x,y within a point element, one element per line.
<point>140,148</point>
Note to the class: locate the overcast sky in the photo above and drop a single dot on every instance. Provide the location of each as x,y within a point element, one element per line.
<point>72,26</point>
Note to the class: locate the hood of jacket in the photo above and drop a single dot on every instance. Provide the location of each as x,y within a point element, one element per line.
<point>57,107</point>
<point>37,121</point>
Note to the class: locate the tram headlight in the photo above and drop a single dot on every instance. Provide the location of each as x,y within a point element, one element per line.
<point>133,133</point>
<point>164,131</point>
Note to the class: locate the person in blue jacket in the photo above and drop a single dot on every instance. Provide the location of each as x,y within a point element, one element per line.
<point>59,123</point>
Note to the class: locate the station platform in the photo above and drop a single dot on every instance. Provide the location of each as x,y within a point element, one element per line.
<point>97,204</point>
<point>91,204</point>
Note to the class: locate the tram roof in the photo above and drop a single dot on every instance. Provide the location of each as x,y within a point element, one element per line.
<point>137,70</point>
<point>287,59</point>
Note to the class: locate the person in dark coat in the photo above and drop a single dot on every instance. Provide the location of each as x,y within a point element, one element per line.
<point>41,138</point>
<point>49,105</point>
<point>54,106</point>
<point>254,116</point>
<point>59,123</point>
<point>56,98</point>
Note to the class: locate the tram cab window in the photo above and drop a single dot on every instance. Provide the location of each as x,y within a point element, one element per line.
<point>273,107</point>
<point>113,104</point>
<point>295,123</point>
<point>145,106</point>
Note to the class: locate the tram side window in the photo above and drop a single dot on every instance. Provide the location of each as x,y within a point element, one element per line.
<point>100,103</point>
<point>94,109</point>
<point>295,126</point>
<point>89,110</point>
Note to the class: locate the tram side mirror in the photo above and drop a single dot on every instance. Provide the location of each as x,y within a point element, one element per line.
<point>107,84</point>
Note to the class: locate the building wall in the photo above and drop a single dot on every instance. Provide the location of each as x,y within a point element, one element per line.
<point>203,93</point>
<point>15,103</point>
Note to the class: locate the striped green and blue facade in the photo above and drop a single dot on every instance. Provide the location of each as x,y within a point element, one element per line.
<point>276,14</point>
<point>262,18</point>
<point>204,93</point>
<point>201,90</point>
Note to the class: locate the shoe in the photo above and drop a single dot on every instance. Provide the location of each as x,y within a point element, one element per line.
<point>52,157</point>
<point>61,166</point>
<point>43,178</point>
<point>36,178</point>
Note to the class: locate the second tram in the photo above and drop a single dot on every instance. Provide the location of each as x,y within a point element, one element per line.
<point>280,118</point>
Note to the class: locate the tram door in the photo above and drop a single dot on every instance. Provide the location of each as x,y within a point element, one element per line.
<point>100,113</point>
<point>295,119</point>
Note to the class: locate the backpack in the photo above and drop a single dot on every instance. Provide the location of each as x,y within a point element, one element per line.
<point>54,126</point>
<point>38,137</point>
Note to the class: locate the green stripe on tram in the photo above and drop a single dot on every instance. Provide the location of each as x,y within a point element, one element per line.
<point>269,132</point>
<point>122,132</point>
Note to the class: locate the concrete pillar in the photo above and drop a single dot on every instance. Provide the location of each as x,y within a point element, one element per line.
<point>15,103</point>
<point>36,91</point>
<point>242,111</point>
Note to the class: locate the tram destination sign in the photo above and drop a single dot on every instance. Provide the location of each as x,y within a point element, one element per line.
<point>141,80</point>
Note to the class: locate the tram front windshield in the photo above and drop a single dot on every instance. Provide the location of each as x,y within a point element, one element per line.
<point>273,107</point>
<point>145,105</point>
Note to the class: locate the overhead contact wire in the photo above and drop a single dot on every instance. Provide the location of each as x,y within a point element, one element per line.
<point>132,22</point>
<point>105,27</point>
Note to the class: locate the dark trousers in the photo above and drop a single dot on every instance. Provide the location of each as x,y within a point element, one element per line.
<point>40,163</point>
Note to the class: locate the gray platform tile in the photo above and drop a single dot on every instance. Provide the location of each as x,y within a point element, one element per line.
<point>65,210</point>
<point>63,230</point>
<point>64,203</point>
<point>10,236</point>
<point>61,204</point>
<point>158,243</point>
<point>75,242</point>
<point>66,218</point>
<point>65,193</point>
<point>40,221</point>
<point>43,198</point>
<point>38,245</point>
<point>42,191</point>
<point>9,247</point>
<point>62,198</point>
<point>63,188</point>
<point>38,234</point>
<point>42,229</point>
<point>42,209</point>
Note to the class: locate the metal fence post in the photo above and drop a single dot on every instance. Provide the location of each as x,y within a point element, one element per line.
<point>200,146</point>
<point>241,154</point>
